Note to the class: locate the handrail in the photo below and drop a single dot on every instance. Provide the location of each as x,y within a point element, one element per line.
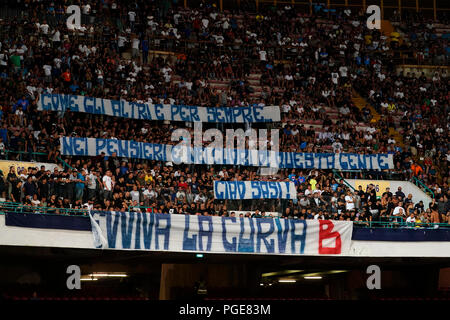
<point>65,164</point>
<point>19,208</point>
<point>23,152</point>
<point>394,221</point>
<point>398,224</point>
<point>341,178</point>
<point>418,182</point>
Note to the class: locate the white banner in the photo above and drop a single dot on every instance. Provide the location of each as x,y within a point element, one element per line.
<point>210,234</point>
<point>144,111</point>
<point>237,190</point>
<point>178,154</point>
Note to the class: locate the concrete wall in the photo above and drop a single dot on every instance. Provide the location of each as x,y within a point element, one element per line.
<point>407,187</point>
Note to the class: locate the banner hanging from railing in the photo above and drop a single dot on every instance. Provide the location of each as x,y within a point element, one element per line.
<point>239,190</point>
<point>144,111</point>
<point>72,146</point>
<point>210,234</point>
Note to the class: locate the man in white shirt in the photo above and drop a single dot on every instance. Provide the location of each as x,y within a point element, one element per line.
<point>121,42</point>
<point>108,185</point>
<point>337,146</point>
<point>134,194</point>
<point>205,23</point>
<point>44,27</point>
<point>350,201</point>
<point>398,210</point>
<point>132,17</point>
<point>411,219</point>
<point>335,77</point>
<point>135,47</point>
<point>343,70</point>
<point>263,55</point>
<point>47,73</point>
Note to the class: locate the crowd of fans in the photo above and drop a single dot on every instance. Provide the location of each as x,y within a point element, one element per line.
<point>308,65</point>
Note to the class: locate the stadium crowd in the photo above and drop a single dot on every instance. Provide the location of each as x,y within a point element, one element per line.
<point>308,65</point>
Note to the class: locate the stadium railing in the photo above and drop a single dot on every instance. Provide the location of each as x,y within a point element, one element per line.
<point>339,177</point>
<point>388,221</point>
<point>6,206</point>
<point>21,208</point>
<point>32,154</point>
<point>422,186</point>
<point>20,154</point>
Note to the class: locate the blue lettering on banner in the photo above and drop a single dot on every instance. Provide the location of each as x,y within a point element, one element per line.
<point>99,145</point>
<point>330,160</point>
<point>111,231</point>
<point>89,108</point>
<point>123,149</point>
<point>298,237</point>
<point>282,234</point>
<point>165,232</point>
<point>46,105</point>
<point>343,164</point>
<point>309,160</point>
<point>115,107</point>
<point>133,110</point>
<point>246,245</point>
<point>159,112</point>
<point>299,160</point>
<point>202,233</point>
<point>228,246</point>
<point>148,231</point>
<point>255,187</point>
<point>270,246</point>
<point>137,240</point>
<point>127,219</point>
<point>188,243</point>
<point>362,161</point>
<point>382,161</point>
<point>141,150</point>
<point>236,190</point>
<point>257,115</point>
<point>353,161</point>
<point>194,114</point>
<point>79,146</point>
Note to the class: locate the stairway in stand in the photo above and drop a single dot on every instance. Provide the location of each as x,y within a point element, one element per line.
<point>397,136</point>
<point>387,28</point>
<point>360,102</point>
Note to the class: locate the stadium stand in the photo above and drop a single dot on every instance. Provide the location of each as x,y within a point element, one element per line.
<point>337,84</point>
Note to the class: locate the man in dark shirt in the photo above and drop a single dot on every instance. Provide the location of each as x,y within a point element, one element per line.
<point>400,193</point>
<point>419,207</point>
<point>130,181</point>
<point>29,188</point>
<point>362,195</point>
<point>388,192</point>
<point>41,172</point>
<point>44,188</point>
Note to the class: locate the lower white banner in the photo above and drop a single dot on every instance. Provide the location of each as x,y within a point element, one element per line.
<point>210,234</point>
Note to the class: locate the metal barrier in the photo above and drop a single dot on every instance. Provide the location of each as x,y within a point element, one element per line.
<point>6,206</point>
<point>21,153</point>
<point>338,176</point>
<point>423,186</point>
<point>398,224</point>
<point>21,208</point>
<point>390,222</point>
